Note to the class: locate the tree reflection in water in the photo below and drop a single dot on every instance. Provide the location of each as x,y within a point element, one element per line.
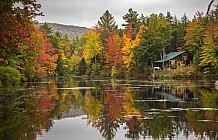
<point>146,113</point>
<point>137,107</point>
<point>25,113</point>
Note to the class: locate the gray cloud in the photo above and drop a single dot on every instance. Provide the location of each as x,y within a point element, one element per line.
<point>87,12</point>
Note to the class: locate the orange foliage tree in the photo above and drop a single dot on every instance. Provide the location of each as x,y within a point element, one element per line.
<point>113,53</point>
<point>46,59</point>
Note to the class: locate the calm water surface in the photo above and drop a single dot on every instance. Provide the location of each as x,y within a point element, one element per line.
<point>78,109</point>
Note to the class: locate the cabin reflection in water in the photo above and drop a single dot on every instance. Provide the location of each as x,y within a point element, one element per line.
<point>174,94</point>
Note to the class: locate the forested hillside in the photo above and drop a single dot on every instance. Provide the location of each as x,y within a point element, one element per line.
<point>70,30</point>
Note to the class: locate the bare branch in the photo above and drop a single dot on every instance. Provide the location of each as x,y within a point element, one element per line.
<point>208,9</point>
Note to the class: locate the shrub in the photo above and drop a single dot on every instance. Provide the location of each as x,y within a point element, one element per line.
<point>164,74</point>
<point>9,77</point>
<point>180,72</point>
<point>95,69</point>
<point>82,67</point>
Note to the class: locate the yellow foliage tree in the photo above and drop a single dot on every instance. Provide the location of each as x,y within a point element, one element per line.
<point>129,105</point>
<point>93,107</point>
<point>128,45</point>
<point>93,45</point>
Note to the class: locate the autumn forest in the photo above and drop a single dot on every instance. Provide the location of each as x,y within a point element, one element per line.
<point>29,52</point>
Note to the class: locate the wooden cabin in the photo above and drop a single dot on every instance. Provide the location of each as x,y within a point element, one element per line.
<point>173,60</point>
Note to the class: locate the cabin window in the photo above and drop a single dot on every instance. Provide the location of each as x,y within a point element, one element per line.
<point>185,56</point>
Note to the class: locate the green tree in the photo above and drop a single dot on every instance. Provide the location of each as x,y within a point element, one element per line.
<point>145,53</point>
<point>164,29</point>
<point>159,34</point>
<point>154,41</point>
<point>106,24</point>
<point>143,20</point>
<point>132,18</point>
<point>46,29</point>
<point>82,67</point>
<point>169,18</point>
<point>181,31</point>
<point>55,40</point>
<point>175,34</point>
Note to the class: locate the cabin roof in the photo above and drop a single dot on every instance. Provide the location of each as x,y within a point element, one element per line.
<point>169,56</point>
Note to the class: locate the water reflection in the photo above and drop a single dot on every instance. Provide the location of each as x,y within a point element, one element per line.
<point>115,108</point>
<point>25,113</point>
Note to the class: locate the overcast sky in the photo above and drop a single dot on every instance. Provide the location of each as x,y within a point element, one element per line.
<point>86,13</point>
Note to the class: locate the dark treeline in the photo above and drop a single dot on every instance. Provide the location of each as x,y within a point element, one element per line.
<point>29,52</point>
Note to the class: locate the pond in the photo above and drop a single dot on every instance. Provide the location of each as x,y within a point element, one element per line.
<point>80,109</point>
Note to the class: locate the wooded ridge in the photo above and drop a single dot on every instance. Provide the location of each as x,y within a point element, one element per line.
<point>70,30</point>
